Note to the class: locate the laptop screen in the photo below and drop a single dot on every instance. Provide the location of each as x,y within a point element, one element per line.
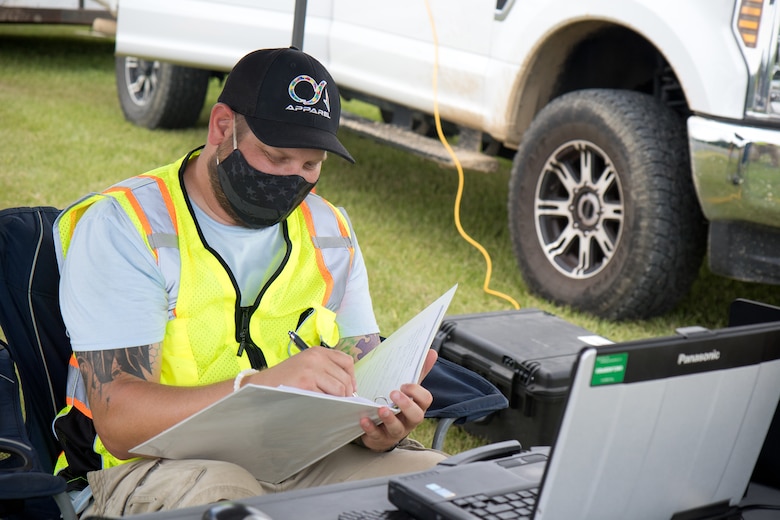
<point>659,426</point>
<point>748,312</point>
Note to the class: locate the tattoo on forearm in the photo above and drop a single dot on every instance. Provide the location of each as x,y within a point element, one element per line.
<point>358,346</point>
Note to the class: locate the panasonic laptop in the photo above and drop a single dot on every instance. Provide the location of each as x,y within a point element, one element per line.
<point>652,429</point>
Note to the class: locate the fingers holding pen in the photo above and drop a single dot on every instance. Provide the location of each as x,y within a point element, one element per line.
<point>318,369</point>
<point>339,373</point>
<point>325,370</point>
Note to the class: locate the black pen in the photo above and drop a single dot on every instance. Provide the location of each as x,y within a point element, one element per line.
<point>297,340</point>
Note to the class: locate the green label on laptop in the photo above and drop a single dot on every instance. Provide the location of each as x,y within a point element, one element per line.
<point>609,369</point>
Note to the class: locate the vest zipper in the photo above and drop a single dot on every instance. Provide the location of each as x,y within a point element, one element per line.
<point>253,352</point>
<point>243,314</point>
<point>243,331</point>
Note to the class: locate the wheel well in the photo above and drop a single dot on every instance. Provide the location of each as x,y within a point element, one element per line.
<point>593,54</point>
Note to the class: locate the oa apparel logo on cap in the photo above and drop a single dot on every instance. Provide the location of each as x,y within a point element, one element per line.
<point>307,104</point>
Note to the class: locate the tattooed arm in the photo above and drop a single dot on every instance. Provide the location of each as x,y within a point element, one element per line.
<point>358,346</point>
<point>128,403</point>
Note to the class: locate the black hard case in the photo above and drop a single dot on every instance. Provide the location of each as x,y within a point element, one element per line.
<point>529,355</point>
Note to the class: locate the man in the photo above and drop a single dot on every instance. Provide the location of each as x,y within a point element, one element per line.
<point>180,285</point>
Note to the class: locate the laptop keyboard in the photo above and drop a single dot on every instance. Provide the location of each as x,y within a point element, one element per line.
<point>513,505</point>
<point>516,505</point>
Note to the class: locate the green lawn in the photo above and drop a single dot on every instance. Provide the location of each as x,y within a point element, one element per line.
<point>63,135</point>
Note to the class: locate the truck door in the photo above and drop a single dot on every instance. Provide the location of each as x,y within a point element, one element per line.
<point>387,49</point>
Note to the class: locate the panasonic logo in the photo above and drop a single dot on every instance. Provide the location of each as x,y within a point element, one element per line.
<point>702,357</point>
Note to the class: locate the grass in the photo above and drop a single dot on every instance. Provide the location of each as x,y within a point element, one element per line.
<point>64,135</point>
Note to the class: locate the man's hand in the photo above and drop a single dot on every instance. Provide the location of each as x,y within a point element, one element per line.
<point>412,400</point>
<point>318,369</point>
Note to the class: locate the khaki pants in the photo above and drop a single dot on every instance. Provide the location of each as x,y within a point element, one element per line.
<point>149,485</point>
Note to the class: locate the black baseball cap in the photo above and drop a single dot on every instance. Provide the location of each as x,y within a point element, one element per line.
<point>288,99</point>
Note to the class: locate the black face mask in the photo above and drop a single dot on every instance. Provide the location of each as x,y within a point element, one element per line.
<point>259,199</point>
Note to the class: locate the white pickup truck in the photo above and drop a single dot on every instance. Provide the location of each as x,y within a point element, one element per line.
<point>641,130</point>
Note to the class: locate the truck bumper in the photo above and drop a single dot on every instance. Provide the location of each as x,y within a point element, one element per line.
<point>736,171</point>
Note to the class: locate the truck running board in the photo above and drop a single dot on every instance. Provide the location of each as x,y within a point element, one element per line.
<point>421,145</point>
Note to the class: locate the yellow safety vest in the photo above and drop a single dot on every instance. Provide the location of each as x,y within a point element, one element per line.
<point>210,337</point>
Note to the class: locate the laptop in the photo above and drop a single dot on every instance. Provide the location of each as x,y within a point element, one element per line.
<point>658,428</point>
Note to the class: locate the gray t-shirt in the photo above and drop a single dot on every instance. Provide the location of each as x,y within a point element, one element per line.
<point>113,295</point>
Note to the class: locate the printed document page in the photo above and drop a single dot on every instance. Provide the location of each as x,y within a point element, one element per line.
<point>399,359</point>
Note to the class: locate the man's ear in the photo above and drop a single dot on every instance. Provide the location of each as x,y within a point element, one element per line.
<point>220,124</point>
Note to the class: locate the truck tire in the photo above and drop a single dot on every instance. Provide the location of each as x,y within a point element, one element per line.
<point>603,214</point>
<point>155,94</point>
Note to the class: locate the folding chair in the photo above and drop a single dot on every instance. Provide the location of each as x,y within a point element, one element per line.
<point>34,362</point>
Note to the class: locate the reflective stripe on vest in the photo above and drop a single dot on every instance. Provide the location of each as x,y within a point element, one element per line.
<point>77,394</point>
